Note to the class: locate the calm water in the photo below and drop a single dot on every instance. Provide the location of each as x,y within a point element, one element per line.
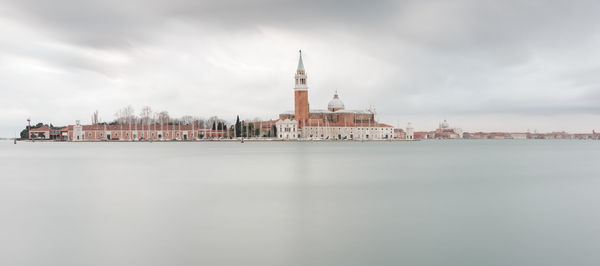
<point>423,203</point>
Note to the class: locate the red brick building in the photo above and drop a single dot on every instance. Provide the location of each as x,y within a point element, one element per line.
<point>133,132</point>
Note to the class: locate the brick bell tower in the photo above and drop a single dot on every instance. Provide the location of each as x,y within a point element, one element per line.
<point>300,95</point>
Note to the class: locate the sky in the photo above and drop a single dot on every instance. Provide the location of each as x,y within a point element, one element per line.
<point>482,65</point>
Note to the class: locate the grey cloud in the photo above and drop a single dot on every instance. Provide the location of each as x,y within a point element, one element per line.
<point>126,23</point>
<point>455,25</point>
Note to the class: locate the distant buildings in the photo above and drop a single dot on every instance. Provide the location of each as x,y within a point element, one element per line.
<point>444,131</point>
<point>527,135</point>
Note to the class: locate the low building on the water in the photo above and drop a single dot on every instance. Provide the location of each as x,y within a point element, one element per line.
<point>287,129</point>
<point>48,133</point>
<point>410,132</point>
<point>39,133</point>
<point>399,133</point>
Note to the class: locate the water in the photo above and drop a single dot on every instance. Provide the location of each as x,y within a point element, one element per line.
<point>422,203</point>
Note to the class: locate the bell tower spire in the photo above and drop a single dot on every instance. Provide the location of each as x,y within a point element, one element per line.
<point>300,63</point>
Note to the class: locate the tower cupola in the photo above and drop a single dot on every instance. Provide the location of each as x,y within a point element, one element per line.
<point>300,76</point>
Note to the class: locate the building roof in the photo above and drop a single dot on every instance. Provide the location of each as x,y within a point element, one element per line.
<point>286,121</point>
<point>319,123</point>
<point>324,111</point>
<point>363,112</point>
<point>40,129</point>
<point>320,111</point>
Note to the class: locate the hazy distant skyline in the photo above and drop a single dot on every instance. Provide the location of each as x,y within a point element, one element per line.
<point>483,65</point>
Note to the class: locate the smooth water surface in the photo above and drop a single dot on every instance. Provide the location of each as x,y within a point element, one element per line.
<point>461,202</point>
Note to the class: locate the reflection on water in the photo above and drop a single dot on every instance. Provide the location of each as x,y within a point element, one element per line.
<point>422,203</point>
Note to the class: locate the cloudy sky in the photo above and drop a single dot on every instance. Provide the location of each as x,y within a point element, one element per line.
<point>483,65</point>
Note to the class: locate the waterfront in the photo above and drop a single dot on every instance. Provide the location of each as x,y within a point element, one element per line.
<point>462,202</point>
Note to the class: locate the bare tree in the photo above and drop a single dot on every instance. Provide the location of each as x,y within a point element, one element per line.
<point>95,118</point>
<point>125,115</point>
<point>146,114</point>
<point>164,117</point>
<point>187,119</point>
<point>216,122</point>
<point>201,122</point>
<point>129,113</point>
<point>119,116</point>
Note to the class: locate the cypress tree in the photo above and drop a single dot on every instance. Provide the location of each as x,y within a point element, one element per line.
<point>238,127</point>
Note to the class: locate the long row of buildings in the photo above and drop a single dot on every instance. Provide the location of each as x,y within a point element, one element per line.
<point>444,131</point>
<point>97,132</point>
<point>529,135</point>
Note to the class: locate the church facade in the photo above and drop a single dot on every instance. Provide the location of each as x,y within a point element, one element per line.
<point>335,122</point>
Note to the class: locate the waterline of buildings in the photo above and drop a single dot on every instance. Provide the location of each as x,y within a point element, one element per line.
<point>334,123</point>
<point>303,123</point>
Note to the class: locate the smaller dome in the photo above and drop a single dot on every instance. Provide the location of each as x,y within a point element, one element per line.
<point>335,104</point>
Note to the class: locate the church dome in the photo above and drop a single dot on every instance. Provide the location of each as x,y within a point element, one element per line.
<point>335,104</point>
